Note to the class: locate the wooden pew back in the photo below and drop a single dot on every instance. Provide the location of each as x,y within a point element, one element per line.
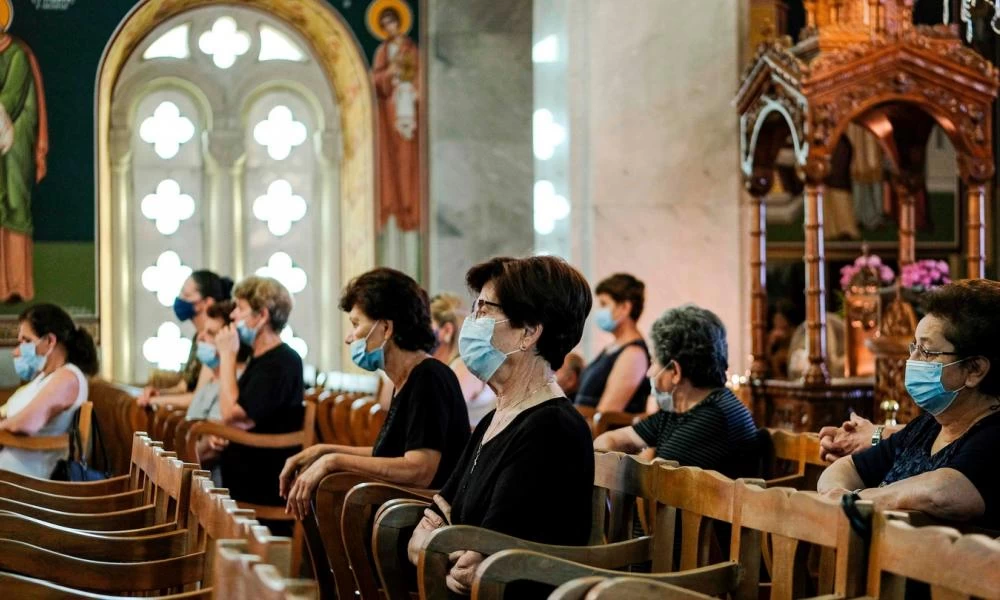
<point>955,565</point>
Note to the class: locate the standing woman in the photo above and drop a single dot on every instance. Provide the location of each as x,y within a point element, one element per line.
<point>616,380</point>
<point>447,317</point>
<point>55,357</point>
<point>200,291</point>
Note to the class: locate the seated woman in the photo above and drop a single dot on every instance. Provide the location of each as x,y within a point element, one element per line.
<point>427,425</point>
<point>942,463</point>
<point>205,402</point>
<point>200,291</point>
<point>528,470</point>
<point>268,397</point>
<point>55,357</point>
<point>447,317</point>
<point>712,428</point>
<point>616,380</point>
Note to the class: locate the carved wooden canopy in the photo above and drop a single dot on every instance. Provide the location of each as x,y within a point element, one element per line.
<point>807,94</point>
<point>861,61</point>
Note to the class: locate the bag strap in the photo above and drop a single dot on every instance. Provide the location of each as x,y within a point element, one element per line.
<point>99,443</point>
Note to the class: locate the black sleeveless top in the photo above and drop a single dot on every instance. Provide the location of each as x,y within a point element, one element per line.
<point>594,379</point>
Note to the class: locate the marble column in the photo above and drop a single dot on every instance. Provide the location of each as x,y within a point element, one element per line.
<point>479,104</point>
<point>655,185</point>
<point>225,156</point>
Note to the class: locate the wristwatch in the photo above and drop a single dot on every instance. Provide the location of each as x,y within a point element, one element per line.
<point>877,434</point>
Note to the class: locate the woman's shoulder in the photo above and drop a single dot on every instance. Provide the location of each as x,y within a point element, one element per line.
<point>558,418</point>
<point>69,379</point>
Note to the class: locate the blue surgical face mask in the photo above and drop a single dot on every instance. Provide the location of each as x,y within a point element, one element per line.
<point>475,346</point>
<point>923,383</point>
<point>29,363</point>
<point>373,360</point>
<point>183,309</point>
<point>247,334</point>
<point>207,355</point>
<point>604,319</point>
<point>665,400</point>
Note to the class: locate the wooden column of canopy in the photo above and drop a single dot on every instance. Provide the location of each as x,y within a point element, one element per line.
<point>860,61</point>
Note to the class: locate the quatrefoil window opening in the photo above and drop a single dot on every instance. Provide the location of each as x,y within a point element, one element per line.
<point>280,133</point>
<point>279,207</point>
<point>167,130</point>
<point>167,350</point>
<point>224,42</point>
<point>166,277</point>
<point>167,207</point>
<point>281,267</point>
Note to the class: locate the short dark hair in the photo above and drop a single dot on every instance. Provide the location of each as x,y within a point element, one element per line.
<point>392,13</point>
<point>540,290</point>
<point>695,338</point>
<point>971,311</point>
<point>49,318</point>
<point>389,295</point>
<point>624,287</point>
<point>212,286</point>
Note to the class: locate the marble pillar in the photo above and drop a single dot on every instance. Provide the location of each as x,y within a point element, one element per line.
<point>480,104</point>
<point>654,181</point>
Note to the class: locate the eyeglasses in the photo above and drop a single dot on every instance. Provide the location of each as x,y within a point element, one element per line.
<point>925,354</point>
<point>481,308</point>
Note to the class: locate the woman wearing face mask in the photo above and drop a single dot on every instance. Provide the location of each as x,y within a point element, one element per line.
<point>616,380</point>
<point>447,317</point>
<point>528,470</point>
<point>268,397</point>
<point>427,425</point>
<point>54,357</point>
<point>943,462</point>
<point>205,403</point>
<point>715,430</point>
<point>200,291</point>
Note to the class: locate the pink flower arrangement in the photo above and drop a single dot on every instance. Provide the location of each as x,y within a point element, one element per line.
<point>885,273</point>
<point>925,274</point>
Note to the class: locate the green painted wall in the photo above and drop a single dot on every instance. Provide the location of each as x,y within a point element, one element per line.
<point>65,273</point>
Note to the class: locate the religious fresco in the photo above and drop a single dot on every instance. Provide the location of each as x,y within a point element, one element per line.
<point>80,53</point>
<point>24,146</point>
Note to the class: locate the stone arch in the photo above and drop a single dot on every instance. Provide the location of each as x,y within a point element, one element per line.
<point>335,48</point>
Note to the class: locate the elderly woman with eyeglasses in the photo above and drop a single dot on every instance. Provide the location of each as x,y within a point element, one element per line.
<point>944,462</point>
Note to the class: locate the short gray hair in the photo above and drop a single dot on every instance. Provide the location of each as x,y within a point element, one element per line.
<point>696,339</point>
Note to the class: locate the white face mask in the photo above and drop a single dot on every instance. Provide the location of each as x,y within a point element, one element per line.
<point>664,400</point>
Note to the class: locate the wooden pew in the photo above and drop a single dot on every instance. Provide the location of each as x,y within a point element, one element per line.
<point>376,420</point>
<point>606,421</point>
<point>599,588</point>
<point>360,413</point>
<point>797,459</point>
<point>119,418</point>
<point>619,479</point>
<point>240,574</point>
<point>702,498</point>
<point>954,565</point>
<point>303,438</point>
<point>794,519</point>
<point>53,442</point>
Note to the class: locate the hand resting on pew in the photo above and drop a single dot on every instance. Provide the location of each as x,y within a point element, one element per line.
<point>463,562</point>
<point>852,437</point>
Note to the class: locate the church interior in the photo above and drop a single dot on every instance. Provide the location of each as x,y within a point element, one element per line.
<point>569,299</point>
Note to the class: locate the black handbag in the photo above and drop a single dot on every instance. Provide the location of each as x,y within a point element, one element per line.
<point>75,467</point>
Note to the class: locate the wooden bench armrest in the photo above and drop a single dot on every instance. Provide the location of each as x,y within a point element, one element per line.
<point>394,524</point>
<point>434,565</point>
<point>114,485</point>
<point>359,503</point>
<point>232,434</point>
<point>34,442</point>
<point>791,481</point>
<point>132,518</point>
<point>637,588</point>
<point>574,589</point>
<point>507,566</point>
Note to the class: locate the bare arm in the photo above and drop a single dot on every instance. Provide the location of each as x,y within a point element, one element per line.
<point>228,343</point>
<point>620,440</point>
<point>56,396</point>
<point>942,493</point>
<point>625,378</point>
<point>416,468</point>
<point>839,477</point>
